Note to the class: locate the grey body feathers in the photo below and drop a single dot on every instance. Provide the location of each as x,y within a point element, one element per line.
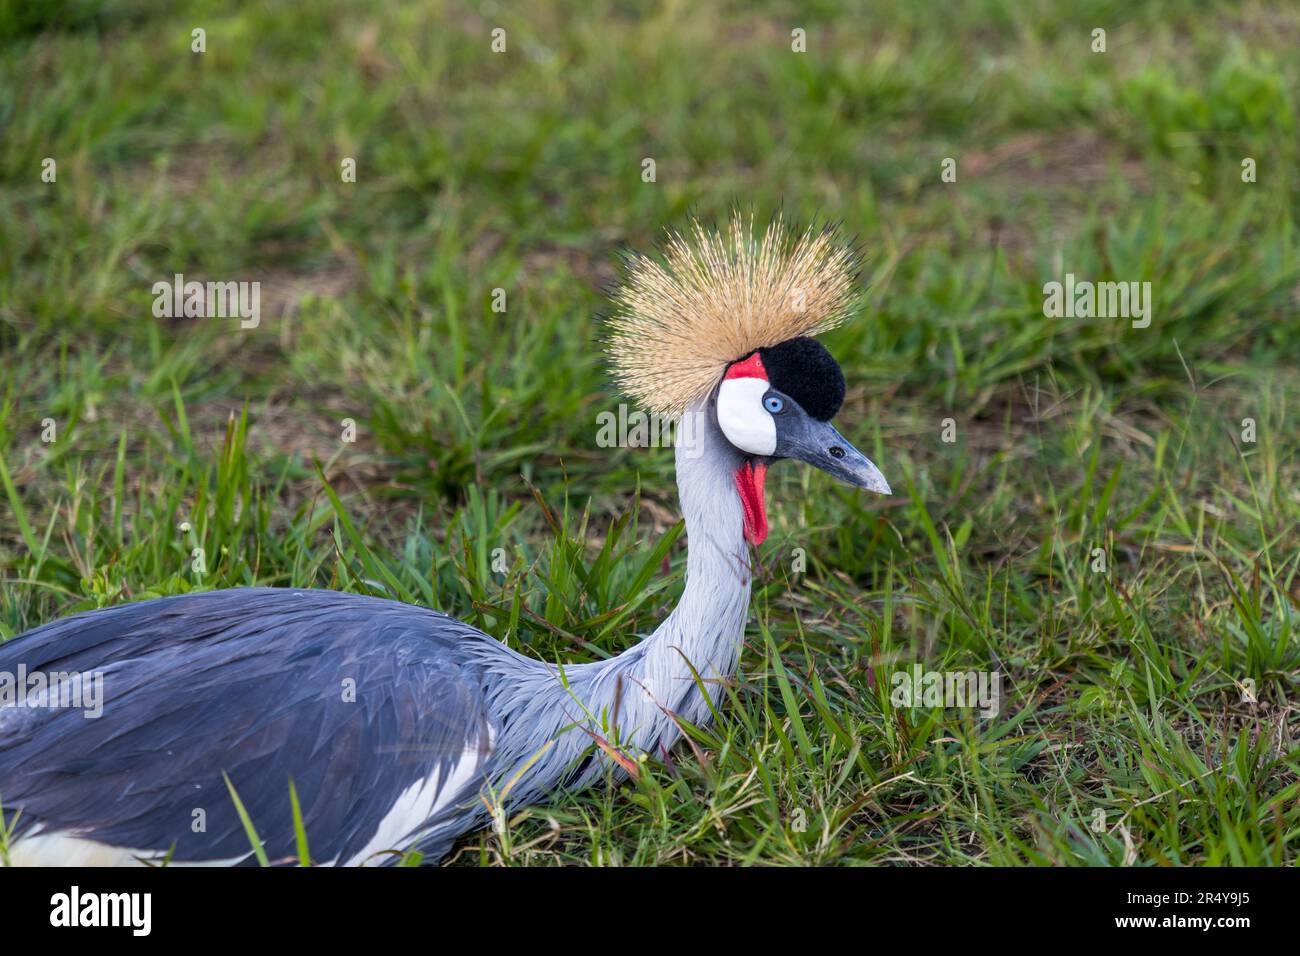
<point>357,700</point>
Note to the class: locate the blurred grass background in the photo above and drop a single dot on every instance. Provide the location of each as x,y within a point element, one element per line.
<point>1128,692</point>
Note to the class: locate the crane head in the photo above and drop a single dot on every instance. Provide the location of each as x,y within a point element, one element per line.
<point>725,317</point>
<point>778,402</point>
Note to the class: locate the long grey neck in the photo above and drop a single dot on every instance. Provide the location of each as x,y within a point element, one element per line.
<point>629,702</point>
<point>700,640</point>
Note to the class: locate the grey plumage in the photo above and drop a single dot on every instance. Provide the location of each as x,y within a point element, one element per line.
<point>252,683</point>
<point>248,682</point>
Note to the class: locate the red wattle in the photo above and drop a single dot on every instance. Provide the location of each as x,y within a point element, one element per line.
<point>749,483</point>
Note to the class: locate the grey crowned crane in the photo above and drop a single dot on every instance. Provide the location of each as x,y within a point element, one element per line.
<point>251,685</point>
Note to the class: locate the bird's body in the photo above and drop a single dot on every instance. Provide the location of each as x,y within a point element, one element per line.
<point>400,727</point>
<point>260,684</point>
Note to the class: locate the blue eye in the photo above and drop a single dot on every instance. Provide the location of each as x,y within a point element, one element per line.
<point>773,403</point>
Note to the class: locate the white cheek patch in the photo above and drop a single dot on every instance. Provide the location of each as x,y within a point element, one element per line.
<point>742,417</point>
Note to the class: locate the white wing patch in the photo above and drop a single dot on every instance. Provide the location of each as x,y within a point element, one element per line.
<point>416,804</point>
<point>64,848</point>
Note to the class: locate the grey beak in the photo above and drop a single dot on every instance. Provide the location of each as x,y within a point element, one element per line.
<point>820,445</point>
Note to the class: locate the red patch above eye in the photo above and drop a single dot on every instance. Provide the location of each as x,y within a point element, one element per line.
<point>751,367</point>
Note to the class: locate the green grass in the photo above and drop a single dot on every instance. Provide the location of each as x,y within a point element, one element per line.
<point>476,429</point>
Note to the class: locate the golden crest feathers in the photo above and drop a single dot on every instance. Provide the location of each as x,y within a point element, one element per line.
<point>715,297</point>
